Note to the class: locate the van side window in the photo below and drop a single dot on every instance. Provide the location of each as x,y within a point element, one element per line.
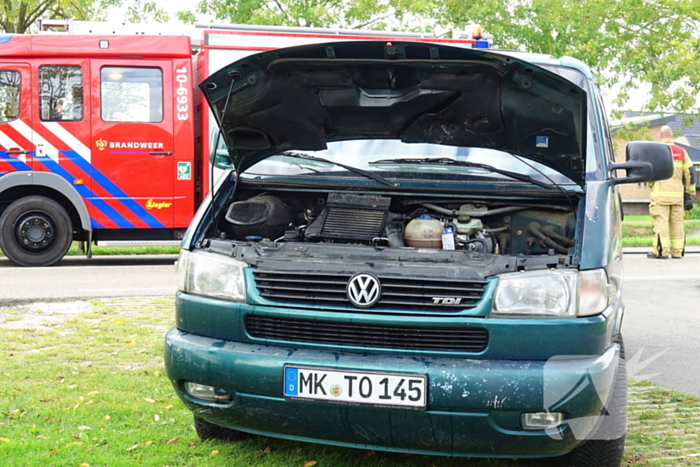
<point>131,94</point>
<point>606,129</point>
<point>9,95</point>
<point>61,92</point>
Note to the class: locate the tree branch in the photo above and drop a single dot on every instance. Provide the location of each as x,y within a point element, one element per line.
<point>7,25</point>
<point>39,10</point>
<point>282,10</point>
<point>372,21</point>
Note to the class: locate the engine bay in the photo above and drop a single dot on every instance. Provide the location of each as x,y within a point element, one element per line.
<point>493,227</point>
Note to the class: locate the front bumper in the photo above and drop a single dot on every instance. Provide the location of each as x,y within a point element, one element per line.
<point>474,406</point>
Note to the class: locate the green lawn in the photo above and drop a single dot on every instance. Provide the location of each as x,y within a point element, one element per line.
<point>646,218</point>
<point>83,384</point>
<point>124,250</point>
<point>638,233</point>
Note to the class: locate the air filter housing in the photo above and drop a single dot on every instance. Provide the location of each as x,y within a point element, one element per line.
<point>264,215</point>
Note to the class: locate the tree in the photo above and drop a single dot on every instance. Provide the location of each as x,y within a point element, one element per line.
<point>628,43</point>
<point>352,14</point>
<point>17,16</point>
<point>138,11</point>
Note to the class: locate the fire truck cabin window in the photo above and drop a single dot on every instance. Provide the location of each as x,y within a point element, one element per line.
<point>9,95</point>
<point>61,93</point>
<point>131,94</point>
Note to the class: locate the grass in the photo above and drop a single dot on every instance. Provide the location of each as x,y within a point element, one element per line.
<point>122,250</point>
<point>125,250</point>
<point>83,384</point>
<point>663,427</point>
<point>640,233</point>
<point>646,218</point>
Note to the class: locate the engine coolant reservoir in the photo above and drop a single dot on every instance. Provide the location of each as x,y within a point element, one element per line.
<point>423,232</point>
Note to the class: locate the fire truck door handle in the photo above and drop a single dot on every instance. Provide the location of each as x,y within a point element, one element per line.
<point>17,152</point>
<point>161,153</point>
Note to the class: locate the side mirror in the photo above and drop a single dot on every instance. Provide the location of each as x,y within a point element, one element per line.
<point>646,162</point>
<point>221,159</point>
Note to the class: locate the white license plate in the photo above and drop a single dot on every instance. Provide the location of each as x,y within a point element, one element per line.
<point>356,387</point>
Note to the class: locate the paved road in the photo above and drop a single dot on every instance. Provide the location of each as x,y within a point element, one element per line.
<point>662,317</point>
<point>662,298</point>
<point>78,277</point>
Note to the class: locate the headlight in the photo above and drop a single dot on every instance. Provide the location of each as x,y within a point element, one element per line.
<point>551,293</point>
<point>211,275</point>
<point>546,293</point>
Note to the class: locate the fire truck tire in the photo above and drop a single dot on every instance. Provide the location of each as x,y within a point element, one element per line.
<point>35,231</point>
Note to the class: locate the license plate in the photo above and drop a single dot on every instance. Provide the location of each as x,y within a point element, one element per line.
<point>356,387</point>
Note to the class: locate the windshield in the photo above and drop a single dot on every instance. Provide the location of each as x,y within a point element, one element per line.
<point>376,155</point>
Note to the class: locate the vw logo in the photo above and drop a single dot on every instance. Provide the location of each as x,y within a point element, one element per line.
<point>364,290</point>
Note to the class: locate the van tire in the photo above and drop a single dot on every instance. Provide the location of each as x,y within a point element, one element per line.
<point>608,444</point>
<point>206,430</point>
<point>43,245</point>
<point>595,453</point>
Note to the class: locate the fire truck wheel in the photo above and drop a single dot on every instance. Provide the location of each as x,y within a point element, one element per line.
<point>35,231</point>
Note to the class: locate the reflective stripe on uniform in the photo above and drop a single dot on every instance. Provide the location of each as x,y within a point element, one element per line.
<point>656,187</point>
<point>655,191</point>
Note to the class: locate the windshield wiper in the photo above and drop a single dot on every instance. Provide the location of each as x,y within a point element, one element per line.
<point>448,161</point>
<point>364,173</point>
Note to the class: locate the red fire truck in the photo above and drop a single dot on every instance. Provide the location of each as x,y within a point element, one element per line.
<point>105,137</point>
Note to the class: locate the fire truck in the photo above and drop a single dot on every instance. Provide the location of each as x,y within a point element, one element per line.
<point>104,136</point>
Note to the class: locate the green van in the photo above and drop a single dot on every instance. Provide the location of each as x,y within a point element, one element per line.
<point>418,249</point>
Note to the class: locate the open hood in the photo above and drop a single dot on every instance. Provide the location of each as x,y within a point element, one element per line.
<point>302,97</point>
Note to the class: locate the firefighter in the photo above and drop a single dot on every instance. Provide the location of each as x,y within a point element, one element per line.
<point>666,207</point>
<point>57,111</point>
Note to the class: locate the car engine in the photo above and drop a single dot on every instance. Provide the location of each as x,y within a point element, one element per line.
<point>530,227</point>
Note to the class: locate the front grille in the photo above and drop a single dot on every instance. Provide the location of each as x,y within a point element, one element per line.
<point>398,293</point>
<point>442,339</point>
